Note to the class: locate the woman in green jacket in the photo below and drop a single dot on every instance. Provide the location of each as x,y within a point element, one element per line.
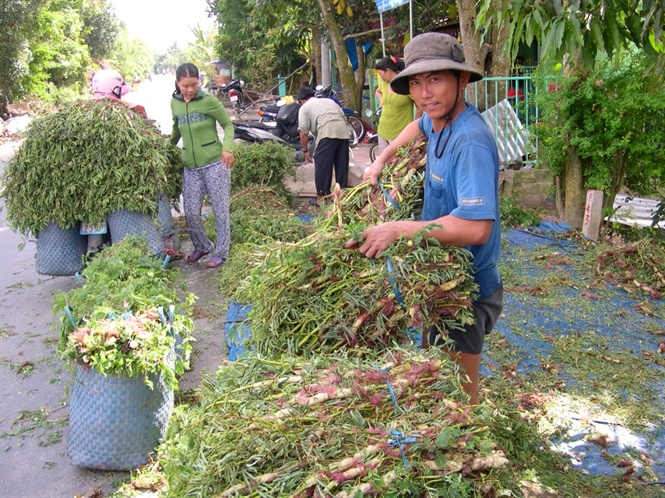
<point>207,162</point>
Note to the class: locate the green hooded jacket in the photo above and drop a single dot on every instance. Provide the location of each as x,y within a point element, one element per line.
<point>196,122</point>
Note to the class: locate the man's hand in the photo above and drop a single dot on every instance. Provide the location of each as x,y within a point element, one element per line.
<point>376,239</point>
<point>373,172</point>
<point>308,157</point>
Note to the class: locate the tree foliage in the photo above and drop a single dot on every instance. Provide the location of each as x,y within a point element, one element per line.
<point>588,27</point>
<point>59,56</point>
<point>47,44</point>
<point>261,39</point>
<point>577,34</point>
<point>101,27</point>
<point>18,23</point>
<point>614,119</point>
<point>131,56</point>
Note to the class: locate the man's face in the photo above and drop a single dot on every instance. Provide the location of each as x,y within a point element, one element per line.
<point>435,92</point>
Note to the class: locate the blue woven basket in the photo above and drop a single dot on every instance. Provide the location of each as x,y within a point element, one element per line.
<point>165,221</point>
<point>60,251</point>
<point>123,223</point>
<point>116,422</point>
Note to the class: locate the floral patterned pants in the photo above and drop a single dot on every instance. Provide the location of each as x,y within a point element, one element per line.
<point>215,180</point>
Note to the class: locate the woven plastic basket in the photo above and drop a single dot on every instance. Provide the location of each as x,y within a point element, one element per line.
<point>164,216</point>
<point>165,220</point>
<point>116,422</point>
<point>60,251</point>
<point>123,223</point>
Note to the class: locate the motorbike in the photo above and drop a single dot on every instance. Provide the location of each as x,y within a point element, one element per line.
<point>239,100</point>
<point>284,130</point>
<point>373,138</point>
<point>268,114</point>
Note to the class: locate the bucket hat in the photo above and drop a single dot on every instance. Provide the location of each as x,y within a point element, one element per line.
<point>432,52</point>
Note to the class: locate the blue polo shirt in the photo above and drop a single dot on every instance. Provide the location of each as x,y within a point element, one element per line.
<point>463,181</point>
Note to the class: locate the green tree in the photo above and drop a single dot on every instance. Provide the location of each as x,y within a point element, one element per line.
<point>614,120</point>
<point>18,23</point>
<point>59,55</point>
<point>574,34</point>
<point>131,55</point>
<point>101,27</point>
<point>260,39</point>
<point>202,50</point>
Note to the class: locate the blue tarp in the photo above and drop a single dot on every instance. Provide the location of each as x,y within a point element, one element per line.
<point>237,329</point>
<point>530,323</point>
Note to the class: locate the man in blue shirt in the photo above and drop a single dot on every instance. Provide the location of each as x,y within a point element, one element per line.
<point>461,184</point>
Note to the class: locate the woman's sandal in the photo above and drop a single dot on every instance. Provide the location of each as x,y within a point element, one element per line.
<point>195,256</point>
<point>215,261</point>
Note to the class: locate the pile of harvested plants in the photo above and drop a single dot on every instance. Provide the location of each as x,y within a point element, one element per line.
<point>360,424</point>
<point>127,316</point>
<point>259,215</point>
<point>316,296</point>
<point>85,161</point>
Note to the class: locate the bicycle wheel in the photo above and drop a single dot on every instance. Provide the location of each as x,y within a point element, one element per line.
<point>353,137</point>
<point>374,152</point>
<point>358,125</point>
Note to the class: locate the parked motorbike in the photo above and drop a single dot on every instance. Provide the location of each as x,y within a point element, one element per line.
<point>373,138</point>
<point>268,113</point>
<point>284,130</point>
<point>239,100</point>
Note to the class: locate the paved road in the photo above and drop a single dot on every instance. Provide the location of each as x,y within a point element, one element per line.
<point>33,382</point>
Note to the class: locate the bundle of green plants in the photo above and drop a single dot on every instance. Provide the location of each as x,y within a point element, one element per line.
<point>127,315</point>
<point>236,268</point>
<point>259,215</point>
<point>87,160</point>
<point>357,424</point>
<point>398,196</point>
<point>316,296</point>
<point>264,227</point>
<point>638,268</point>
<point>266,165</point>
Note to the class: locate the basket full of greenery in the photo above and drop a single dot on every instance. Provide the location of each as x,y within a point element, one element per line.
<point>127,353</point>
<point>85,161</point>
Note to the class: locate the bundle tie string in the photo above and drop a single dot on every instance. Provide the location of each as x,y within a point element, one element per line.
<point>390,387</point>
<point>412,332</point>
<point>399,441</point>
<point>392,201</point>
<point>393,284</point>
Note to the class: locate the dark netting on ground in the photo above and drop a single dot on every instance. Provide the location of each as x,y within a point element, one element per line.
<point>595,337</point>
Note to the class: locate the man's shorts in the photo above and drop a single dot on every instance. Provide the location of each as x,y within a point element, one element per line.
<point>471,339</point>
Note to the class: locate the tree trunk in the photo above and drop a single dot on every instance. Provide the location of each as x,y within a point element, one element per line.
<point>357,102</point>
<point>573,181</point>
<point>346,75</point>
<point>476,51</point>
<point>499,62</point>
<point>574,195</point>
<point>618,174</point>
<point>316,56</point>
